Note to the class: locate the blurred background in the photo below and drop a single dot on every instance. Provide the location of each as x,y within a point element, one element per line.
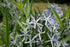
<point>42,4</point>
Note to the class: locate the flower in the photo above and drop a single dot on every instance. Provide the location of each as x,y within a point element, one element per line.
<point>57,44</point>
<point>64,44</point>
<point>25,33</point>
<point>35,22</point>
<point>52,39</point>
<point>28,23</point>
<point>14,39</point>
<point>31,41</point>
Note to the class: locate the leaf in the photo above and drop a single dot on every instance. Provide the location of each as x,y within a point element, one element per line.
<point>28,8</point>
<point>15,27</point>
<point>20,24</point>
<point>67,30</point>
<point>66,39</point>
<point>57,17</point>
<point>19,6</point>
<point>64,13</point>
<point>68,13</point>
<point>22,17</point>
<point>5,27</point>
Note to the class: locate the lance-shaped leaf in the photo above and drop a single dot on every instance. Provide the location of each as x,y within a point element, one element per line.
<point>20,24</point>
<point>66,38</point>
<point>19,5</point>
<point>28,8</point>
<point>5,27</point>
<point>67,30</point>
<point>68,12</point>
<point>67,15</point>
<point>57,16</point>
<point>22,17</point>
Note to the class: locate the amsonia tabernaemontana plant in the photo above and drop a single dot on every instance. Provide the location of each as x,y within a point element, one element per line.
<point>23,27</point>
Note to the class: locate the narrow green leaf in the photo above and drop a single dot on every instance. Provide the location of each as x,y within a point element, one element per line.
<point>15,27</point>
<point>68,12</point>
<point>13,10</point>
<point>67,30</point>
<point>66,39</point>
<point>28,8</point>
<point>56,16</point>
<point>67,15</point>
<point>64,13</point>
<point>5,27</point>
<point>19,6</point>
<point>22,17</point>
<point>18,22</point>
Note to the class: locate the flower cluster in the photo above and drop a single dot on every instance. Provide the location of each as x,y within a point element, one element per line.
<point>37,26</point>
<point>33,31</point>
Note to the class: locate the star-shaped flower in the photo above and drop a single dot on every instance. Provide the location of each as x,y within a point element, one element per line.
<point>64,44</point>
<point>50,23</point>
<point>24,34</point>
<point>55,29</point>
<point>14,39</point>
<point>57,44</point>
<point>52,39</point>
<point>28,23</point>
<point>47,22</point>
<point>35,22</point>
<point>40,32</point>
<point>31,41</point>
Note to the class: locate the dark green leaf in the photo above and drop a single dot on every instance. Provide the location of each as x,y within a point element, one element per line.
<point>68,12</point>
<point>66,39</point>
<point>5,27</point>
<point>20,24</point>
